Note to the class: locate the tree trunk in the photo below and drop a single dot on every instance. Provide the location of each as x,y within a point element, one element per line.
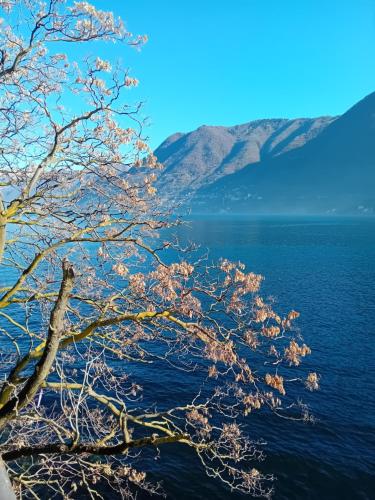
<point>6,490</point>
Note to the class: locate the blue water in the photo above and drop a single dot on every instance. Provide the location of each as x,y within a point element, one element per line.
<point>325,269</point>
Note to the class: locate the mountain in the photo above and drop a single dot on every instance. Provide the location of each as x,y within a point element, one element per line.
<point>332,173</point>
<point>199,158</point>
<point>316,166</point>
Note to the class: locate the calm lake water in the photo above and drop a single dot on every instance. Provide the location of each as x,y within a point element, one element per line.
<point>324,268</point>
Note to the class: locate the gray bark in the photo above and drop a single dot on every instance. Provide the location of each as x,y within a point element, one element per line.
<point>6,490</point>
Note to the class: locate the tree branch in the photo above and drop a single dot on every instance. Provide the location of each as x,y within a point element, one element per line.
<point>43,367</point>
<point>91,448</point>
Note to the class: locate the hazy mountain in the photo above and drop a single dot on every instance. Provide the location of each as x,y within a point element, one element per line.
<point>207,154</point>
<point>332,173</point>
<point>322,165</point>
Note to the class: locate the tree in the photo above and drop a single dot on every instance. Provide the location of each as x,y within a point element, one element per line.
<point>89,291</point>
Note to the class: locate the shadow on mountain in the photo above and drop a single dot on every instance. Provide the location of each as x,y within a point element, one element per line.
<point>332,173</point>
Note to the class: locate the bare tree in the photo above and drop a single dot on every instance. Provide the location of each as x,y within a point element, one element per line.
<point>89,297</point>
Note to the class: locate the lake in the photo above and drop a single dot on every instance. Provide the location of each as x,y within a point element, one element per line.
<point>325,269</point>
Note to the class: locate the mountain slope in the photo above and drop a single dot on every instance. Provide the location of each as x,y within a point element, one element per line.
<point>197,159</point>
<point>334,172</point>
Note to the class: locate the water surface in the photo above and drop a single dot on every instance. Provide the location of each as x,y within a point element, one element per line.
<point>324,268</point>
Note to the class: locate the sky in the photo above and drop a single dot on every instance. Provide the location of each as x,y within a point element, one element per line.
<point>220,62</point>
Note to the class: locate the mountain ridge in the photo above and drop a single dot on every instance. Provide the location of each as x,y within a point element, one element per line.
<point>208,153</point>
<point>313,165</point>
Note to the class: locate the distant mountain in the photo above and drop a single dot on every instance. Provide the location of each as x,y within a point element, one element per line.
<point>332,173</point>
<point>322,165</point>
<point>197,159</point>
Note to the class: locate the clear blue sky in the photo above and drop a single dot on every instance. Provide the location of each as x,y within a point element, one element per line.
<point>219,62</point>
